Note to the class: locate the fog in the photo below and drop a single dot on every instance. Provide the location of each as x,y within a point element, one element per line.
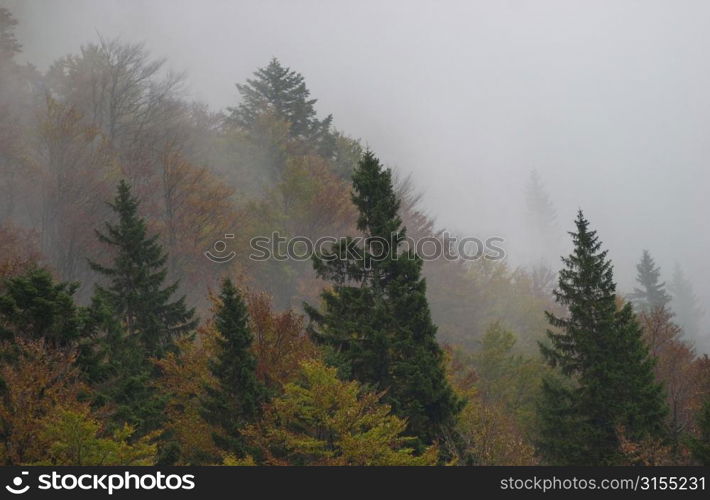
<point>606,100</point>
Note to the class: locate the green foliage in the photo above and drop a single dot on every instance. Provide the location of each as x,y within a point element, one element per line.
<point>375,322</point>
<point>321,420</point>
<point>136,294</point>
<point>507,379</point>
<point>34,306</point>
<point>278,90</point>
<point>75,440</point>
<point>134,317</point>
<point>601,349</point>
<point>238,396</point>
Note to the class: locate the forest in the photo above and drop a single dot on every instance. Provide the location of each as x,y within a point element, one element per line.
<point>137,328</point>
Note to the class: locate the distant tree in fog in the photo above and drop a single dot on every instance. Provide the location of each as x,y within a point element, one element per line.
<point>651,294</point>
<point>281,91</point>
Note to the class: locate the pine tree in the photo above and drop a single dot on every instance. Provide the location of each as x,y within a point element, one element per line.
<point>652,294</point>
<point>34,306</point>
<point>133,316</point>
<point>375,321</point>
<point>278,89</point>
<point>540,209</point>
<point>136,293</point>
<point>610,384</point>
<point>239,395</point>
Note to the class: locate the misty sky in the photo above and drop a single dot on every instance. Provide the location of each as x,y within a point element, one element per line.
<point>608,100</point>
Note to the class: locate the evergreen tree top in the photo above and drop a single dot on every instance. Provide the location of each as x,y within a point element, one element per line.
<point>587,273</point>
<point>282,91</point>
<point>652,294</point>
<point>136,292</point>
<point>375,198</point>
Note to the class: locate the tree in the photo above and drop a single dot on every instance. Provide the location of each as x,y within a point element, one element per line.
<point>652,294</point>
<point>37,380</point>
<point>506,379</point>
<point>33,306</point>
<point>136,293</point>
<point>279,90</point>
<point>238,396</point>
<point>541,218</point>
<point>9,46</point>
<point>321,420</point>
<point>700,445</point>
<point>280,342</point>
<point>74,166</point>
<point>128,95</point>
<point>487,432</point>
<point>74,438</point>
<point>375,321</point>
<point>134,318</point>
<point>17,85</point>
<point>600,349</point>
<point>18,252</point>
<point>184,379</point>
<point>676,367</point>
<point>685,304</point>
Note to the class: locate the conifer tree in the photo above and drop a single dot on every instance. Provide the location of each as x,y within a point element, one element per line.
<point>136,293</point>
<point>375,321</point>
<point>34,306</point>
<point>134,317</point>
<point>279,90</point>
<point>239,395</point>
<point>610,385</point>
<point>651,294</point>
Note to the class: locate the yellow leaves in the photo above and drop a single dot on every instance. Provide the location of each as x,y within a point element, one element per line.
<point>490,435</point>
<point>74,440</point>
<point>37,379</point>
<point>184,377</point>
<point>42,420</point>
<point>321,420</point>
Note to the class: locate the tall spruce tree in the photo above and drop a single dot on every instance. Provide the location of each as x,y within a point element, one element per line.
<point>279,90</point>
<point>134,315</point>
<point>375,321</point>
<point>136,292</point>
<point>651,294</point>
<point>610,385</point>
<point>237,399</point>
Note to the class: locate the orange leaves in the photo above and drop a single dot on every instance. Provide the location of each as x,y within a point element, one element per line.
<point>38,381</point>
<point>677,367</point>
<point>280,342</point>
